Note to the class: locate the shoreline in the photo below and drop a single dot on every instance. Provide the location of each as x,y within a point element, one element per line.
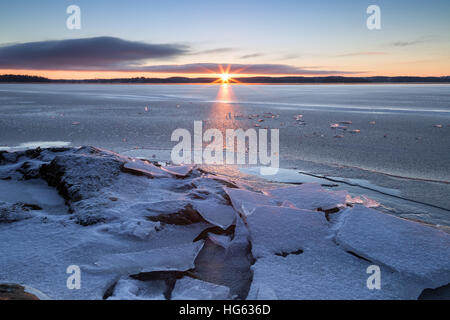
<point>123,222</point>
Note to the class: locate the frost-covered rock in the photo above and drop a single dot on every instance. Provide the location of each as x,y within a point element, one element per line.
<point>405,246</point>
<point>10,212</point>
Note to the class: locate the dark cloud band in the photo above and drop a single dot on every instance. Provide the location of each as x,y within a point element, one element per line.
<point>82,54</point>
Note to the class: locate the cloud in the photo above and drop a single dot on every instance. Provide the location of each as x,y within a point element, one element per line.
<point>97,53</point>
<point>366,53</point>
<point>217,50</point>
<point>254,69</point>
<point>253,55</point>
<point>420,40</point>
<point>406,43</point>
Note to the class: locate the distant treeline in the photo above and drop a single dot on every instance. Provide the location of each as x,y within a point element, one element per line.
<point>275,80</point>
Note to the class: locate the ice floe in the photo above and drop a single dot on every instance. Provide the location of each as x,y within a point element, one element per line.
<point>177,258</point>
<point>405,246</point>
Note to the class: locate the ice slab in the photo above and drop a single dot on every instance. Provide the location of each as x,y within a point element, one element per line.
<point>176,258</point>
<point>128,289</point>
<point>330,273</point>
<point>280,229</point>
<point>192,289</point>
<point>310,196</point>
<point>178,171</point>
<point>245,201</point>
<point>148,169</point>
<point>406,246</point>
<point>217,214</point>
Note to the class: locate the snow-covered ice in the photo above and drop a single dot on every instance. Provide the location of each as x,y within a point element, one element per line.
<point>405,246</point>
<point>145,230</point>
<point>193,289</point>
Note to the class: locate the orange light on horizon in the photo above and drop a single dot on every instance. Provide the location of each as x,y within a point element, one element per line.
<point>225,77</point>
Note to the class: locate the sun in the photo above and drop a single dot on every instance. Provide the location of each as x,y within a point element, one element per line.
<point>225,77</point>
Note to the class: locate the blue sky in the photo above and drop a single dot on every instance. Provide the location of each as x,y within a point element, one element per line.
<point>322,35</point>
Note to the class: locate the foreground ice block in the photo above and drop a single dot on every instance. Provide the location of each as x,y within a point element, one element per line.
<point>245,201</point>
<point>405,246</point>
<point>298,259</point>
<point>310,196</point>
<point>217,214</point>
<point>274,230</point>
<point>176,258</point>
<point>330,273</point>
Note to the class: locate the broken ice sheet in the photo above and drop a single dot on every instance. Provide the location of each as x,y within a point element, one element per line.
<point>139,167</point>
<point>179,171</point>
<point>193,289</point>
<point>406,246</point>
<point>220,240</point>
<point>217,214</point>
<point>128,289</point>
<point>310,196</point>
<point>280,229</point>
<point>245,201</point>
<point>176,258</point>
<point>328,273</point>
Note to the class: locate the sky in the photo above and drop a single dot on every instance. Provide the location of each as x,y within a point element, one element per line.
<point>193,38</point>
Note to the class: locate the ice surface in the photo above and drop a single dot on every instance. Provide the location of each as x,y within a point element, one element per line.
<point>223,241</point>
<point>297,259</point>
<point>279,229</point>
<point>245,201</point>
<point>128,289</point>
<point>217,214</point>
<point>93,211</point>
<point>177,258</point>
<point>405,246</point>
<point>31,192</point>
<point>148,169</point>
<point>179,171</point>
<point>192,289</point>
<point>330,273</point>
<point>310,196</point>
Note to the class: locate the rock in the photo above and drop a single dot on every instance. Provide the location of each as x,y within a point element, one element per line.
<point>13,212</point>
<point>9,291</point>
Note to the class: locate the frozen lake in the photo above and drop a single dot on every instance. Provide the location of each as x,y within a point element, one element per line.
<point>403,142</point>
